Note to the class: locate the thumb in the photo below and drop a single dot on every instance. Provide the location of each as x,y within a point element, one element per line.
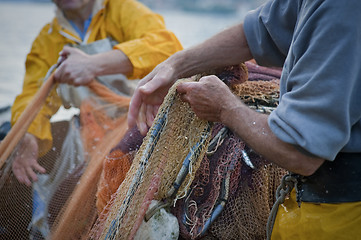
<point>153,82</point>
<point>150,87</point>
<point>183,88</point>
<point>66,51</point>
<point>134,108</point>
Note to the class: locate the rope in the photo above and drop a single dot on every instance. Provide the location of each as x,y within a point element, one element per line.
<point>288,182</point>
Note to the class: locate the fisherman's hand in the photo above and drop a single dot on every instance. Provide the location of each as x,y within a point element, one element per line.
<point>77,68</point>
<point>25,163</point>
<point>149,95</point>
<point>209,98</point>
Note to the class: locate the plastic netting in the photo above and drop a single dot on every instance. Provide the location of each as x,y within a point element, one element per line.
<point>155,167</point>
<point>61,204</point>
<point>232,188</point>
<point>101,179</point>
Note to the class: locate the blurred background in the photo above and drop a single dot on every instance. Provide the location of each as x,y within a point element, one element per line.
<point>21,20</point>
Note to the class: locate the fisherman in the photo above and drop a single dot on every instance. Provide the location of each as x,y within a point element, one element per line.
<point>121,38</point>
<point>142,41</point>
<point>314,133</point>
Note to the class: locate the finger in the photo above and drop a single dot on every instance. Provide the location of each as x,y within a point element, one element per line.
<point>150,115</point>
<point>63,54</point>
<point>61,75</point>
<point>61,59</point>
<point>30,172</point>
<point>155,110</point>
<point>59,72</point>
<point>184,98</point>
<point>23,177</point>
<point>184,87</point>
<point>141,121</point>
<point>212,79</point>
<point>81,82</point>
<point>39,168</point>
<point>26,181</point>
<point>152,84</point>
<point>134,108</point>
<point>19,174</point>
<point>208,78</point>
<point>66,50</point>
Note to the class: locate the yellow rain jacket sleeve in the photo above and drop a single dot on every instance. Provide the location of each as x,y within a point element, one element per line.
<point>37,64</point>
<point>146,40</point>
<point>141,35</point>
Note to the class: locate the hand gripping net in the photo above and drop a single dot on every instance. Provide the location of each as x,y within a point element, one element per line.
<point>220,196</point>
<point>155,167</point>
<point>228,189</point>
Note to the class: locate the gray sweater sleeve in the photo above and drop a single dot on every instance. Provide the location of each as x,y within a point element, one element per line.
<point>320,105</point>
<point>269,31</point>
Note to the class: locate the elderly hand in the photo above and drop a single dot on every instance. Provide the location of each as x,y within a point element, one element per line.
<point>76,69</point>
<point>149,95</point>
<point>209,98</point>
<point>25,163</point>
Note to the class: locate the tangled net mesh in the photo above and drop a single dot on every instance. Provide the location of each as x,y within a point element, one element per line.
<point>225,192</point>
<point>155,168</point>
<point>219,180</point>
<point>50,208</point>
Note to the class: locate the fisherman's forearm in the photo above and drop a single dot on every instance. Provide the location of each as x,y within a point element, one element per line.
<point>253,128</point>
<point>111,62</point>
<point>226,48</point>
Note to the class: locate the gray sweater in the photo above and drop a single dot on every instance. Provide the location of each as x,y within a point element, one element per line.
<point>318,43</point>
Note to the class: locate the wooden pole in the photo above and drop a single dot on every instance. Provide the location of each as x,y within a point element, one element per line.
<point>21,126</point>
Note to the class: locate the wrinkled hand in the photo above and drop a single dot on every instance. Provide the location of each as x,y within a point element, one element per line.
<point>149,95</point>
<point>25,163</point>
<point>76,69</point>
<point>209,98</point>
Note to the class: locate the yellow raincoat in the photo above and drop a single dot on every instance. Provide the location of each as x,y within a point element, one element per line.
<point>141,35</point>
<point>313,221</point>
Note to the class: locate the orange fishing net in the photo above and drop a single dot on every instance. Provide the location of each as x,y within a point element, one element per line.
<point>117,164</point>
<point>61,205</point>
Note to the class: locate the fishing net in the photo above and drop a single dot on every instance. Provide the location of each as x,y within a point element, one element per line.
<point>154,168</point>
<point>234,188</point>
<point>200,172</point>
<point>106,182</point>
<point>61,204</point>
